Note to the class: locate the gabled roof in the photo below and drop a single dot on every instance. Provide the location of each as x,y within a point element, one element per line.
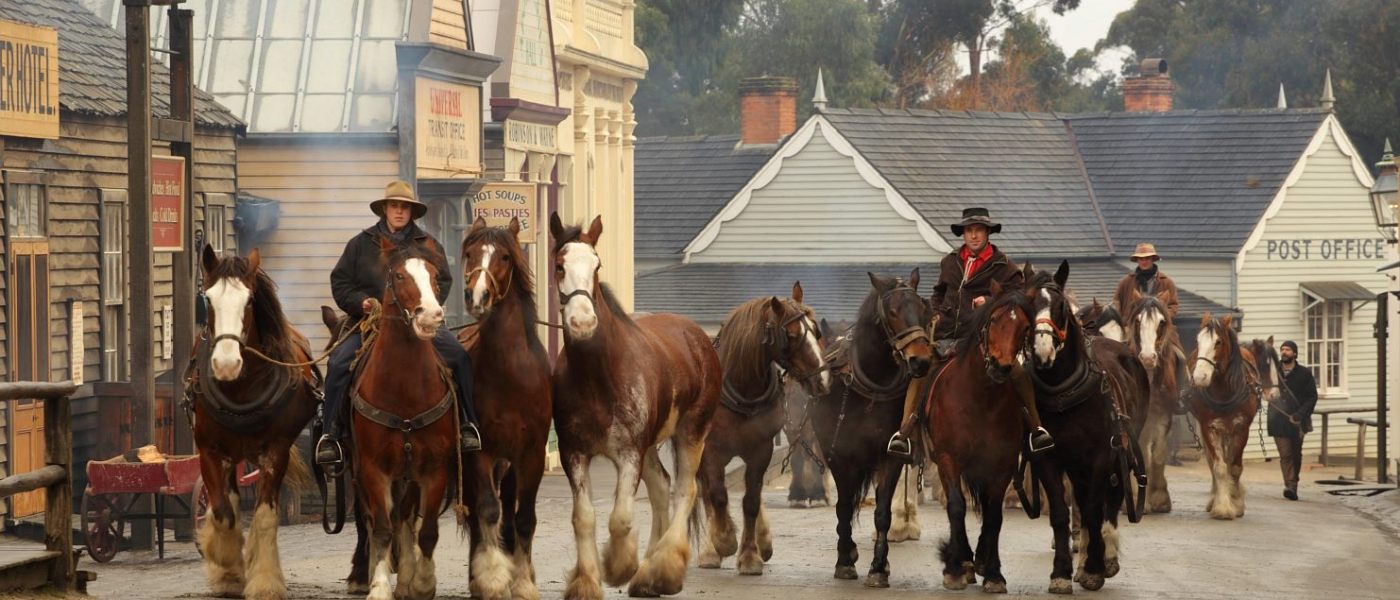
<point>1023,167</point>
<point>681,182</point>
<point>1192,182</point>
<point>706,292</point>
<point>92,64</point>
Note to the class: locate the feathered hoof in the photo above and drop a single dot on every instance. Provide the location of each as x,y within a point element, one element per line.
<point>954,582</point>
<point>620,560</point>
<point>845,572</point>
<point>357,588</point>
<point>661,574</point>
<point>708,560</point>
<point>749,564</point>
<point>1110,567</point>
<point>583,587</point>
<point>994,587</point>
<point>524,589</point>
<point>877,580</point>
<point>970,573</point>
<point>268,591</point>
<point>1061,586</point>
<point>798,504</point>
<point>1092,583</point>
<point>228,587</point>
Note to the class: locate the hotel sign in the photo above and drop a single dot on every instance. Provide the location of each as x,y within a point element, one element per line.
<point>499,202</point>
<point>167,203</point>
<point>447,121</point>
<point>28,80</point>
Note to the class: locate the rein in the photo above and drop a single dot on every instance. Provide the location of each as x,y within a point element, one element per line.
<point>1244,380</point>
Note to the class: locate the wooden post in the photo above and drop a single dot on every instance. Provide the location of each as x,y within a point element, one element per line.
<point>138,178</point>
<point>182,108</point>
<point>58,515</point>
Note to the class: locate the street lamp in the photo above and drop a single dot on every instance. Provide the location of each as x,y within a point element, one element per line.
<point>1383,196</point>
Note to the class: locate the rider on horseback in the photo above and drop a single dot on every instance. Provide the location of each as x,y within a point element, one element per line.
<point>357,283</point>
<point>964,285</point>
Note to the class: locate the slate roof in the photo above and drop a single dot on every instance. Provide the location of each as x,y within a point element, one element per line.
<point>706,292</point>
<point>681,182</point>
<point>92,64</point>
<point>1193,182</point>
<point>1023,167</point>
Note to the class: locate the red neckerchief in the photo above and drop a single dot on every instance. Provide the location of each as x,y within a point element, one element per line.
<point>982,258</point>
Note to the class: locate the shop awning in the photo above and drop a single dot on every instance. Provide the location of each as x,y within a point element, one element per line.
<point>1338,290</point>
<point>1388,266</point>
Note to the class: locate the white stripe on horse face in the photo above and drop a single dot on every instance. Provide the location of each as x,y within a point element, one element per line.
<point>1202,371</point>
<point>228,297</point>
<point>1112,330</point>
<point>480,290</point>
<point>1147,334</point>
<point>580,264</point>
<point>1044,333</point>
<point>816,349</point>
<point>429,317</point>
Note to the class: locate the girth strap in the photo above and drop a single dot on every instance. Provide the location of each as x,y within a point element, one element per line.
<point>392,421</point>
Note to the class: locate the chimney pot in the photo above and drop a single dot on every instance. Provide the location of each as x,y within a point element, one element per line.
<point>1151,90</point>
<point>767,109</point>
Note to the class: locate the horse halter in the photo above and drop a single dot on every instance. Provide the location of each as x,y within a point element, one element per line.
<point>493,287</point>
<point>394,297</point>
<point>1058,332</point>
<point>904,338</point>
<point>775,337</point>
<point>988,362</point>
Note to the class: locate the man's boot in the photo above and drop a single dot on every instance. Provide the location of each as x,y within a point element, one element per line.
<point>1039,440</point>
<point>330,454</point>
<point>901,445</point>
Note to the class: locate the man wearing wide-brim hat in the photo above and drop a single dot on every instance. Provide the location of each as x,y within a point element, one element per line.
<point>1146,280</point>
<point>964,285</point>
<point>356,283</point>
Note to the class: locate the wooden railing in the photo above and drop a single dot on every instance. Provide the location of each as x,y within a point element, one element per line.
<point>56,477</point>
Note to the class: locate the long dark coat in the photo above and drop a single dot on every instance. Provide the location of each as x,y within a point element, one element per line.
<point>360,272</point>
<point>952,296</point>
<point>1299,381</point>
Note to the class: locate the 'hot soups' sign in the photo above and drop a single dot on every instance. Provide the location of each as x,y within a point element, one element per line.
<point>498,203</point>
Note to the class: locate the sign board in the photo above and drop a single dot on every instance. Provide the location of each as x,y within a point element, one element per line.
<point>75,341</point>
<point>167,203</point>
<point>498,202</point>
<point>28,80</point>
<point>167,331</point>
<point>447,127</point>
<point>532,136</point>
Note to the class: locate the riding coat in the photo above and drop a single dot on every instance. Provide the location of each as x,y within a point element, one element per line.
<point>1160,285</point>
<point>954,292</point>
<point>1301,384</point>
<point>360,272</point>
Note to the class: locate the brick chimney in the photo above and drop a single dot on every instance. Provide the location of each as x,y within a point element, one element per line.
<point>767,109</point>
<point>1151,90</point>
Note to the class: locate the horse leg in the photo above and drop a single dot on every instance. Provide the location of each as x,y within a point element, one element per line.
<point>847,495</point>
<point>955,551</point>
<point>1239,440</point>
<point>658,484</point>
<point>721,541</point>
<point>490,568</point>
<point>406,553</point>
<point>529,472</point>
<point>221,538</point>
<point>1154,447</point>
<point>989,541</point>
<point>1052,477</point>
<point>663,572</point>
<point>432,492</point>
<point>265,580</point>
<point>756,463</point>
<point>1090,498</point>
<point>1111,564</point>
<point>584,580</point>
<point>620,553</point>
<point>357,583</point>
<point>376,498</point>
<point>799,488</point>
<point>507,490</point>
<point>1217,442</point>
<point>889,477</point>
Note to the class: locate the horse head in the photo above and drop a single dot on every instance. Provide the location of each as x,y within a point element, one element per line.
<point>1054,316</point>
<point>411,285</point>
<point>230,284</point>
<point>796,341</point>
<point>901,314</point>
<point>1216,347</point>
<point>1266,364</point>
<point>1148,329</point>
<point>1005,326</point>
<point>492,258</point>
<point>576,265</point>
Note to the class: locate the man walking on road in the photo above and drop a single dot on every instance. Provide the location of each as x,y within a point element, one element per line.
<point>1287,430</point>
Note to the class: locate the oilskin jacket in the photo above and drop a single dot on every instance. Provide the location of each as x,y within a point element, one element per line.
<point>1301,383</point>
<point>953,294</point>
<point>1161,286</point>
<point>360,272</point>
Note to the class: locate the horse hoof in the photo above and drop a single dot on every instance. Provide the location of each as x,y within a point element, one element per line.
<point>356,588</point>
<point>749,564</point>
<point>877,580</point>
<point>845,572</point>
<point>954,582</point>
<point>1092,583</point>
<point>994,587</point>
<point>1160,508</point>
<point>797,504</point>
<point>1061,586</point>
<point>1110,567</point>
<point>708,560</point>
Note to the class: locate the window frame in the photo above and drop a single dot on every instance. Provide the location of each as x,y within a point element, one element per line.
<point>113,315</point>
<point>14,181</point>
<point>1329,312</point>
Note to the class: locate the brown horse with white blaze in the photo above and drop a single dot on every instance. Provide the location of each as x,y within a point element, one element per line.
<point>246,408</point>
<point>1225,399</point>
<point>510,371</point>
<point>761,341</point>
<point>621,387</point>
<point>1153,338</point>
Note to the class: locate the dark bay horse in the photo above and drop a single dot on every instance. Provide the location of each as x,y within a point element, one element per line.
<point>512,392</point>
<point>853,421</point>
<point>976,432</point>
<point>760,342</point>
<point>811,482</point>
<point>1153,338</point>
<point>247,409</point>
<point>621,387</point>
<point>1092,395</point>
<point>1102,320</point>
<point>405,443</point>
<point>1225,398</point>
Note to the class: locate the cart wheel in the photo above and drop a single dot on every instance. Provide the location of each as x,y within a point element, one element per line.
<point>102,523</point>
<point>199,510</point>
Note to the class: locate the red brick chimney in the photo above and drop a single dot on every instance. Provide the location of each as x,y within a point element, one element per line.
<point>1151,90</point>
<point>767,109</point>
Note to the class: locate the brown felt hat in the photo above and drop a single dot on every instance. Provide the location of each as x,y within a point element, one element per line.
<point>976,216</point>
<point>399,191</point>
<point>1146,250</point>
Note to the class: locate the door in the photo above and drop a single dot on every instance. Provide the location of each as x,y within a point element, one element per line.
<point>29,349</point>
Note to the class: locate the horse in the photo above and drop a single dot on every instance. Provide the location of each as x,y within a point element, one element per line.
<point>244,407</point>
<point>1152,337</point>
<point>621,387</point>
<point>1102,320</point>
<point>1092,395</point>
<point>977,432</point>
<point>760,341</point>
<point>512,393</point>
<point>810,482</point>
<point>405,453</point>
<point>1225,398</point>
<point>862,410</point>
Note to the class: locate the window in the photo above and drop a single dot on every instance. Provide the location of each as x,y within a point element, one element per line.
<point>114,244</point>
<point>1324,331</point>
<point>26,210</point>
<point>215,222</point>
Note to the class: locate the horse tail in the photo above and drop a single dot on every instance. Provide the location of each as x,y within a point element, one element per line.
<point>973,492</point>
<point>298,477</point>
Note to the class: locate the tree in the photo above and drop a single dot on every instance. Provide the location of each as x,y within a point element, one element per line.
<point>684,41</point>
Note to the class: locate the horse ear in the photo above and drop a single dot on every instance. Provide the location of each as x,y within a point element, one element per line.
<point>385,246</point>
<point>996,288</point>
<point>914,279</point>
<point>1028,271</point>
<point>254,262</point>
<point>797,292</point>
<point>478,224</point>
<point>208,259</point>
<point>595,230</point>
<point>1228,322</point>
<point>330,318</point>
<point>556,227</point>
<point>1270,341</point>
<point>1205,319</point>
<point>1062,274</point>
<point>1096,303</point>
<point>775,304</point>
<point>826,328</point>
<point>876,281</point>
<point>514,226</point>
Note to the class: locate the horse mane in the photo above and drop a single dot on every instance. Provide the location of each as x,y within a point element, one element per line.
<point>741,347</point>
<point>522,283</point>
<point>978,325</point>
<point>1172,350</point>
<point>278,337</point>
<point>1237,357</point>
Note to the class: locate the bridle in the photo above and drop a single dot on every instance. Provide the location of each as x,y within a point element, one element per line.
<point>988,362</point>
<point>775,338</point>
<point>494,290</point>
<point>1055,330</point>
<point>394,295</point>
<point>903,338</point>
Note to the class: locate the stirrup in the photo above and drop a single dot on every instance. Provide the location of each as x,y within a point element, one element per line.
<point>471,437</point>
<point>900,447</point>
<point>330,455</point>
<point>1039,450</point>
